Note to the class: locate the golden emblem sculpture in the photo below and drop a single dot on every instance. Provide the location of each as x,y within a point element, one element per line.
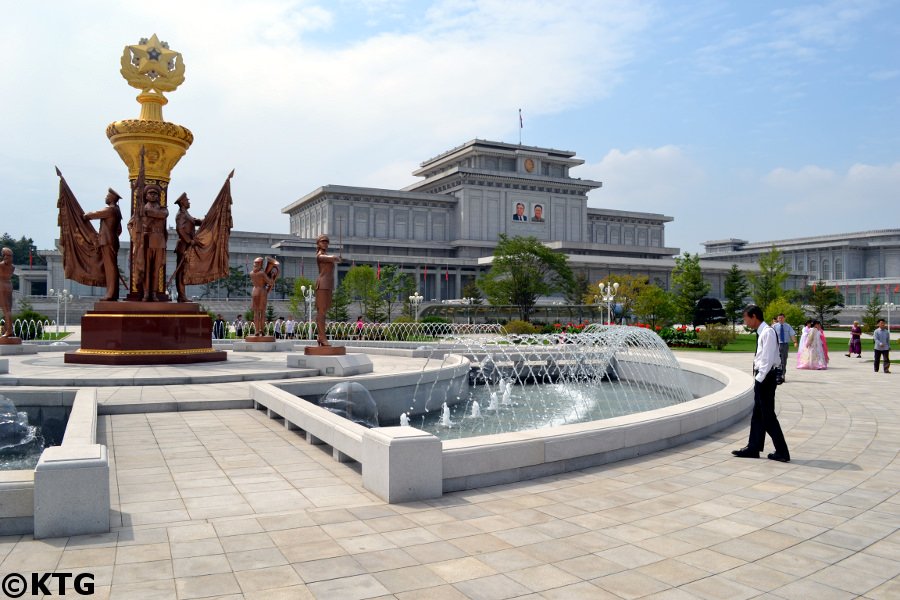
<point>149,144</point>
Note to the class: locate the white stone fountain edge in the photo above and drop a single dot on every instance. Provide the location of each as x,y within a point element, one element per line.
<point>403,463</point>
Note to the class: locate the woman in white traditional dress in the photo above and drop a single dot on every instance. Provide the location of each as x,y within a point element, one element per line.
<point>813,353</point>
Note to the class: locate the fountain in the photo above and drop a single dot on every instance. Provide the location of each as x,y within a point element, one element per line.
<point>404,420</point>
<point>352,401</point>
<point>537,381</point>
<point>21,444</point>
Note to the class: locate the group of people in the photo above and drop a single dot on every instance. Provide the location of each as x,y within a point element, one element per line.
<point>882,339</point>
<point>812,353</point>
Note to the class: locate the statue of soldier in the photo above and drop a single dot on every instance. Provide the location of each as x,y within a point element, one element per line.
<point>153,225</point>
<point>7,268</point>
<point>324,286</point>
<point>184,226</point>
<point>110,230</point>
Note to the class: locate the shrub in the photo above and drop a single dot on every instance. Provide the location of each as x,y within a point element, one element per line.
<point>717,336</point>
<point>518,327</point>
<point>793,313</point>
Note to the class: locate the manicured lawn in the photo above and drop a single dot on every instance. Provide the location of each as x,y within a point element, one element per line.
<point>746,342</point>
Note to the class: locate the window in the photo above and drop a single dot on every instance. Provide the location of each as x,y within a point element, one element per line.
<point>826,268</point>
<point>838,268</point>
<point>813,267</point>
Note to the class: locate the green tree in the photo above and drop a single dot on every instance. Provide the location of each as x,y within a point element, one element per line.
<point>579,290</point>
<point>236,282</point>
<point>471,290</point>
<point>362,287</point>
<point>653,306</point>
<point>394,287</point>
<point>825,303</point>
<point>340,302</point>
<point>767,284</point>
<point>793,312</point>
<point>21,249</point>
<point>297,305</point>
<point>688,286</point>
<point>523,270</point>
<point>630,287</point>
<point>736,291</point>
<point>871,315</point>
<point>284,287</point>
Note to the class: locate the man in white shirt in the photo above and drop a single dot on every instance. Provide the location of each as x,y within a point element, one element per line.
<point>765,362</point>
<point>289,327</point>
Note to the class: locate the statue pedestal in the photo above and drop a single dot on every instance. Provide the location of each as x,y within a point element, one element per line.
<point>325,351</point>
<point>10,341</point>
<point>145,333</point>
<point>259,339</point>
<point>335,365</point>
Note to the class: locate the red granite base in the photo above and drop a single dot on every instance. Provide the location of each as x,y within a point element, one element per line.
<point>259,338</point>
<point>325,351</point>
<point>10,341</point>
<point>145,333</point>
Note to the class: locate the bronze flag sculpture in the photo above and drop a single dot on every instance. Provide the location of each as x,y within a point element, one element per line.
<point>7,268</point>
<point>78,241</point>
<point>207,259</point>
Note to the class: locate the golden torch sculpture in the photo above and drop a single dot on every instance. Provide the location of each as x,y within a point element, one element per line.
<point>149,146</point>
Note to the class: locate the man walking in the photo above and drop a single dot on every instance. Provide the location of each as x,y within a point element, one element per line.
<point>763,420</point>
<point>882,346</point>
<point>785,335</point>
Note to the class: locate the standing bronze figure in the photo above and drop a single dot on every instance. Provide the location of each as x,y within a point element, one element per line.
<point>324,286</point>
<point>110,230</point>
<point>154,242</point>
<point>263,277</point>
<point>6,297</point>
<point>184,226</point>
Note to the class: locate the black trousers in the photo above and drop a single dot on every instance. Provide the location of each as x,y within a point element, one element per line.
<point>887,360</point>
<point>783,355</point>
<point>764,420</point>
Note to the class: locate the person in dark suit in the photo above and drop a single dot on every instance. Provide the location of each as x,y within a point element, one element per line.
<point>764,421</point>
<point>520,213</point>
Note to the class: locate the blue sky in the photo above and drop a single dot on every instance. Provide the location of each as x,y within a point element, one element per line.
<point>759,120</point>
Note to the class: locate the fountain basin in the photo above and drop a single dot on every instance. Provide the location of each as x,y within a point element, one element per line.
<point>67,493</point>
<point>723,397</point>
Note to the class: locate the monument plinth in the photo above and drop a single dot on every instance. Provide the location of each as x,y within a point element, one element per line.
<point>145,333</point>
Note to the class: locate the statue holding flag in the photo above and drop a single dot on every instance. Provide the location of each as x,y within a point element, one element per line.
<point>185,227</point>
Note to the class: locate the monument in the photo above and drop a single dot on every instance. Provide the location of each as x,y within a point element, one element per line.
<point>324,297</point>
<point>7,268</point>
<point>146,328</point>
<point>262,277</point>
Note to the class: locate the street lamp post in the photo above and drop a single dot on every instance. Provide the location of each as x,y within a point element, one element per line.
<point>62,296</point>
<point>608,294</point>
<point>308,295</point>
<point>416,300</point>
<point>889,306</point>
<point>468,303</point>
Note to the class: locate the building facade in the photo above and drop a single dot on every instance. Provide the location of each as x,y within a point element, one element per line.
<point>861,265</point>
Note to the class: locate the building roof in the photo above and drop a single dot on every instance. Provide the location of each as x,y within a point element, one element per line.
<point>367,191</point>
<point>503,146</point>
<point>836,237</point>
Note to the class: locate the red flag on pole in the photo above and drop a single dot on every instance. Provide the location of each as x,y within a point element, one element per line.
<point>378,271</point>
<point>447,273</point>
<point>301,266</point>
<point>897,289</point>
<point>425,272</point>
<point>29,259</point>
<point>521,122</point>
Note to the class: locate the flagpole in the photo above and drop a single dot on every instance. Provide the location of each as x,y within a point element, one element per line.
<point>520,126</point>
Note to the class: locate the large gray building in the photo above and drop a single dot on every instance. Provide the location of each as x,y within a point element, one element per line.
<point>443,228</point>
<point>861,265</point>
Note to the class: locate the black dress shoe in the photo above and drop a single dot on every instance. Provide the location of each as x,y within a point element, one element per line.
<point>780,457</point>
<point>745,452</point>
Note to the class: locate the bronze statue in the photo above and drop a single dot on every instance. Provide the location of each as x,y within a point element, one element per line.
<point>184,226</point>
<point>324,286</point>
<point>79,244</point>
<point>263,277</point>
<point>6,292</point>
<point>206,259</point>
<point>153,224</point>
<point>110,230</point>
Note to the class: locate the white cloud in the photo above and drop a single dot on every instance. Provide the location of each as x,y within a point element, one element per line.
<point>660,179</point>
<point>862,192</point>
<point>274,90</point>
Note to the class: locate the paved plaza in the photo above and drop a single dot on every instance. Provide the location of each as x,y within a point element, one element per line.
<point>230,504</point>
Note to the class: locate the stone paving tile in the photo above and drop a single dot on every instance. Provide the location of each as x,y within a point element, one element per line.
<point>230,504</point>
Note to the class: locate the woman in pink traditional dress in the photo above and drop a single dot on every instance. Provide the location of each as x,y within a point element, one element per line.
<point>813,352</point>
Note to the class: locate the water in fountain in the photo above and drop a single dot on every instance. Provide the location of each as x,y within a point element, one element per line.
<point>404,420</point>
<point>534,381</point>
<point>351,400</point>
<point>21,444</point>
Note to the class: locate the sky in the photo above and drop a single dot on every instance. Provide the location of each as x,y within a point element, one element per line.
<point>756,120</point>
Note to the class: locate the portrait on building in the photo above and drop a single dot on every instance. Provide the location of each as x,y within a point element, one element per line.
<point>519,212</point>
<point>537,213</point>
